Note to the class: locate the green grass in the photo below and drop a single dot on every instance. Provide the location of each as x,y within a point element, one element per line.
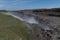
<point>12,28</point>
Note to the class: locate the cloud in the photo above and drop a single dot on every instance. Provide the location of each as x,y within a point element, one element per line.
<point>21,2</point>
<point>1,5</point>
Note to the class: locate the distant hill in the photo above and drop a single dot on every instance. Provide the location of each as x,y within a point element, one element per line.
<point>3,11</point>
<point>52,11</point>
<point>47,10</point>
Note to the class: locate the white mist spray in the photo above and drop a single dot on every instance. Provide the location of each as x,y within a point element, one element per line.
<point>30,20</point>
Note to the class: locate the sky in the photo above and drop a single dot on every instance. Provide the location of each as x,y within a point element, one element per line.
<point>28,4</point>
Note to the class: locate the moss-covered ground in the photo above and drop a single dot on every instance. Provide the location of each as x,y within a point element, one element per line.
<point>12,28</point>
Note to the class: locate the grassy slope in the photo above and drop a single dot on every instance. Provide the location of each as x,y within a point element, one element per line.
<point>12,29</point>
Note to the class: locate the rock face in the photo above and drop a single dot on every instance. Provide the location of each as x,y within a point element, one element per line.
<point>41,34</point>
